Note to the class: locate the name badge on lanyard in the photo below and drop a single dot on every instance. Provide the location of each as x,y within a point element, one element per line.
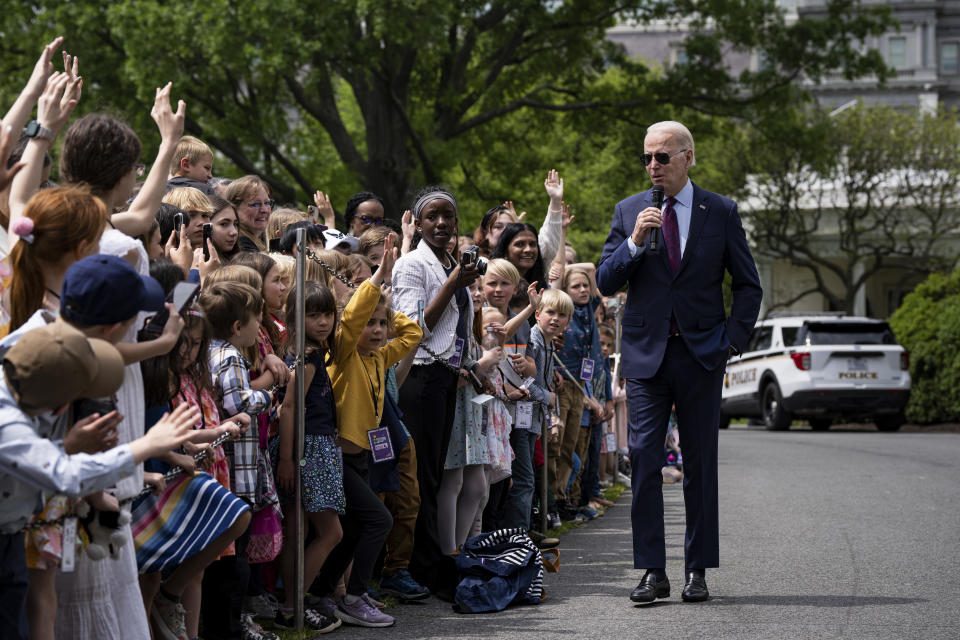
<point>380,444</point>
<point>69,549</point>
<point>524,415</point>
<point>586,369</point>
<point>457,356</point>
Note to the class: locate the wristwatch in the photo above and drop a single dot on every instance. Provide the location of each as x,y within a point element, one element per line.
<point>37,130</point>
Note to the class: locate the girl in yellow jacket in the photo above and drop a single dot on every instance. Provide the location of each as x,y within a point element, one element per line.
<point>361,356</point>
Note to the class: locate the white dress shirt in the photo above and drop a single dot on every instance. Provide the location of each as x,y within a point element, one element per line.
<point>683,206</point>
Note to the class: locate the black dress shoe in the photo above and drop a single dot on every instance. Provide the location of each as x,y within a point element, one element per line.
<point>651,588</point>
<point>695,588</point>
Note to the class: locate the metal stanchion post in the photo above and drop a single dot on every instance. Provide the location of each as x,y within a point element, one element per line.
<point>544,485</point>
<point>298,429</point>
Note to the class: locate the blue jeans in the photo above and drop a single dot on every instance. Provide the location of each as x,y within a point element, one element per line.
<point>13,588</point>
<point>516,511</point>
<point>590,480</point>
<point>574,470</point>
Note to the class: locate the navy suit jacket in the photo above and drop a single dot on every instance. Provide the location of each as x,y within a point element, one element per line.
<point>716,243</point>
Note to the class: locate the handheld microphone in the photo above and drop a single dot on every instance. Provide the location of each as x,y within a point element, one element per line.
<point>656,198</point>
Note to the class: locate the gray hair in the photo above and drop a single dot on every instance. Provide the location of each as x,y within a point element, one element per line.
<point>678,131</point>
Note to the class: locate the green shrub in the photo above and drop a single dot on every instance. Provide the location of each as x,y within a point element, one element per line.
<point>928,326</point>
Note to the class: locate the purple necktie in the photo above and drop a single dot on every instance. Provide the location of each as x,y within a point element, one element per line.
<point>671,236</point>
<point>671,241</point>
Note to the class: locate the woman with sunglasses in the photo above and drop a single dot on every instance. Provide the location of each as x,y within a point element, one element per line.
<point>251,197</point>
<point>364,210</point>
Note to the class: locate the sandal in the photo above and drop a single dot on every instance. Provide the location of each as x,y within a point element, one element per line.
<point>551,565</point>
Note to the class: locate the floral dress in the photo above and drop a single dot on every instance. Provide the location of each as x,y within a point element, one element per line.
<point>499,423</point>
<point>468,437</point>
<point>209,419</point>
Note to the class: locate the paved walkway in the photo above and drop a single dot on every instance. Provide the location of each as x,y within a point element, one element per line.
<point>823,535</point>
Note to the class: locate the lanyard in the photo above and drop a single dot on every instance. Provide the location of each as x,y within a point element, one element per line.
<point>373,393</point>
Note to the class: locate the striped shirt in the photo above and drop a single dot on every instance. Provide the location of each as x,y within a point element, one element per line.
<point>418,276</point>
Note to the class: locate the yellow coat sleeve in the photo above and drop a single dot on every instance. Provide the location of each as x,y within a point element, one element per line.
<point>408,337</point>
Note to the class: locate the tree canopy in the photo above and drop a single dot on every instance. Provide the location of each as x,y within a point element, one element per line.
<point>345,94</point>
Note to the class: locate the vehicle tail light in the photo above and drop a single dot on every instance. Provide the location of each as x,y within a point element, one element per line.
<point>802,360</point>
<point>904,360</point>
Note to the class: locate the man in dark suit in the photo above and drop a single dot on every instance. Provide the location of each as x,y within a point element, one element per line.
<point>676,340</point>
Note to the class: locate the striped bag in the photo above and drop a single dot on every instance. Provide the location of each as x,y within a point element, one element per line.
<point>186,517</point>
<point>498,569</point>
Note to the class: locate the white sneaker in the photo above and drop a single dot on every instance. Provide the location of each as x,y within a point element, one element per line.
<point>169,618</point>
<point>253,631</point>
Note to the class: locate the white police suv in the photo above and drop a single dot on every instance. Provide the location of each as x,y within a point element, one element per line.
<point>819,368</point>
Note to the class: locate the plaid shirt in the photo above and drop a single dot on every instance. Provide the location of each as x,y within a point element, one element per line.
<point>231,378</point>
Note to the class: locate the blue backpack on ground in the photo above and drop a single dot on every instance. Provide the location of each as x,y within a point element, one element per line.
<point>498,569</point>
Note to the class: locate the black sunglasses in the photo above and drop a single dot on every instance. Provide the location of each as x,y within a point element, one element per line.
<point>662,157</point>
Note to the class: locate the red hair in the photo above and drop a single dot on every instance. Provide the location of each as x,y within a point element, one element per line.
<point>63,217</point>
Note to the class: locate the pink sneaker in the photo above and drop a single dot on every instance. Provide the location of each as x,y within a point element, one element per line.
<point>362,614</point>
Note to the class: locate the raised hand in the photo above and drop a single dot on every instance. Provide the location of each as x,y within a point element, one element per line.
<point>58,101</point>
<point>554,186</point>
<point>42,69</point>
<point>325,208</point>
<point>173,327</point>
<point>509,205</point>
<point>71,66</point>
<point>169,122</point>
<point>384,273</point>
<point>533,296</point>
<point>409,228</point>
<point>179,251</point>
<point>203,265</point>
<point>565,218</point>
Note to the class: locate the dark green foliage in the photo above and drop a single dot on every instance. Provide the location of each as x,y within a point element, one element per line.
<point>484,96</point>
<point>928,326</point>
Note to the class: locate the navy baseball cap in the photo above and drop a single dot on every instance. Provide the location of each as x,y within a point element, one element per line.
<point>102,289</point>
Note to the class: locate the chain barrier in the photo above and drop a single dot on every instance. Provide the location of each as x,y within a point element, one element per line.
<point>169,476</point>
<point>175,472</point>
<point>292,368</point>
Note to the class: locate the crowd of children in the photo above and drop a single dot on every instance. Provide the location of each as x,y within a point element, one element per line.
<point>147,431</point>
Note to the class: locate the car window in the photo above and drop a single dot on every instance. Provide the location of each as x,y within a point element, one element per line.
<point>790,335</point>
<point>814,333</point>
<point>761,339</point>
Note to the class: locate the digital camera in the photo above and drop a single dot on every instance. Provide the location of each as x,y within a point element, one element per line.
<point>471,256</point>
